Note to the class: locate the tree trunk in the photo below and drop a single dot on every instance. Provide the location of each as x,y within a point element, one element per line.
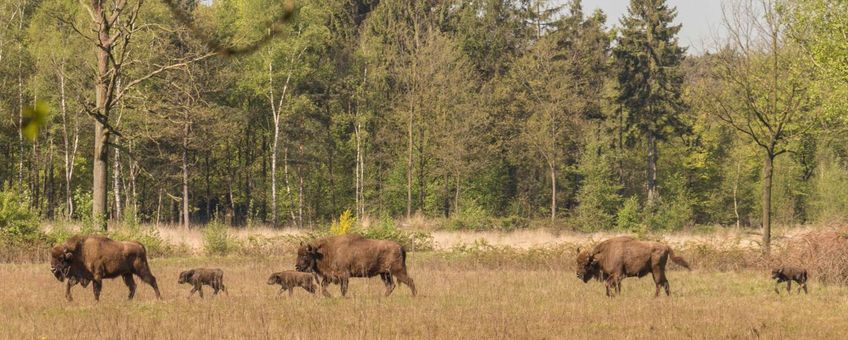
<point>456,196</point>
<point>288,185</point>
<point>652,169</point>
<point>357,183</point>
<point>768,171</point>
<point>409,165</point>
<point>69,159</point>
<point>116,182</point>
<point>735,190</point>
<point>185,211</point>
<point>208,188</point>
<point>20,99</point>
<point>101,133</point>
<point>159,208</point>
<point>553,192</point>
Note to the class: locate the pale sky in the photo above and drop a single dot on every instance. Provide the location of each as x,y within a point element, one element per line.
<point>701,19</point>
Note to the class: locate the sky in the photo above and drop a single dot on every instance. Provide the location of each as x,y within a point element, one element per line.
<point>701,19</point>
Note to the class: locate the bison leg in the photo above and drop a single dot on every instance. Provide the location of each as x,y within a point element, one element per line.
<point>143,272</point>
<point>804,285</point>
<point>291,291</point>
<point>324,283</point>
<point>97,285</point>
<point>776,285</point>
<point>191,293</point>
<point>789,287</point>
<point>389,282</point>
<point>199,288</point>
<point>343,283</point>
<point>68,286</point>
<point>402,277</point>
<point>130,282</point>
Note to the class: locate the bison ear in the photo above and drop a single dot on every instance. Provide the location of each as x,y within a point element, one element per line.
<point>578,250</point>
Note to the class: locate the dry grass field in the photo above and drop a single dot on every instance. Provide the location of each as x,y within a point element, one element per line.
<point>459,297</point>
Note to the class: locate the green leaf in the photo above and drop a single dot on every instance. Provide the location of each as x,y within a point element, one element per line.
<point>34,118</point>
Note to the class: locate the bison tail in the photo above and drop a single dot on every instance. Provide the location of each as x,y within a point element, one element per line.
<point>403,256</point>
<point>678,260</point>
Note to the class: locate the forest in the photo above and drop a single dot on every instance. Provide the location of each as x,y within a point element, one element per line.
<point>478,113</point>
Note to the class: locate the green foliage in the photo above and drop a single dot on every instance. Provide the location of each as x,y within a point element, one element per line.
<point>18,225</point>
<point>630,216</point>
<point>217,239</point>
<point>34,119</point>
<point>386,229</point>
<point>672,214</point>
<point>599,191</point>
<point>470,217</point>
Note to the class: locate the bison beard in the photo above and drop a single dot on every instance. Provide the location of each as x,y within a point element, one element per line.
<point>337,259</point>
<point>94,258</point>
<point>614,259</point>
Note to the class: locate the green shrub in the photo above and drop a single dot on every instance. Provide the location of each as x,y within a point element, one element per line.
<point>470,217</point>
<point>83,203</point>
<point>18,224</point>
<point>148,236</point>
<point>513,222</point>
<point>671,215</point>
<point>630,217</point>
<point>386,229</point>
<point>217,239</point>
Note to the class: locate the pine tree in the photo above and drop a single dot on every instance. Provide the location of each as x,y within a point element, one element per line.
<point>648,58</point>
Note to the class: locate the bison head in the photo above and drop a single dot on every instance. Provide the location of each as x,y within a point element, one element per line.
<point>587,265</point>
<point>60,262</point>
<point>777,274</point>
<point>307,257</point>
<point>274,279</point>
<point>185,276</point>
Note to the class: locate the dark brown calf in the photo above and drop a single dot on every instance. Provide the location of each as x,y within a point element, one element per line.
<point>788,274</point>
<point>198,277</point>
<point>289,279</point>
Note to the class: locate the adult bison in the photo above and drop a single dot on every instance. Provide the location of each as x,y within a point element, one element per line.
<point>337,259</point>
<point>614,259</point>
<point>96,258</point>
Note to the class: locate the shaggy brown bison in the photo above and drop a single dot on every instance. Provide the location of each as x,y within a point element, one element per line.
<point>94,258</point>
<point>337,259</point>
<point>788,274</point>
<point>203,276</point>
<point>289,279</point>
<point>614,259</point>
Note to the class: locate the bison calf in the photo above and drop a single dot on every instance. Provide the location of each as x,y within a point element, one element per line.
<point>788,274</point>
<point>289,279</point>
<point>204,276</point>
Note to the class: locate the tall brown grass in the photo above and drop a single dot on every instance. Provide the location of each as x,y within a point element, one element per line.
<point>462,297</point>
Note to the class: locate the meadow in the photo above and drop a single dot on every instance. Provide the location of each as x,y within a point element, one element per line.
<point>470,293</point>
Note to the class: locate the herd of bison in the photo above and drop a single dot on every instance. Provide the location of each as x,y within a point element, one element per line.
<point>90,259</point>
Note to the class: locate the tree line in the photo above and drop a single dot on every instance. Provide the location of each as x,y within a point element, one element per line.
<point>290,113</point>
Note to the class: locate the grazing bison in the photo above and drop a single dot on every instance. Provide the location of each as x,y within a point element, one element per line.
<point>614,259</point>
<point>94,258</point>
<point>289,279</point>
<point>337,259</point>
<point>203,276</point>
<point>788,274</point>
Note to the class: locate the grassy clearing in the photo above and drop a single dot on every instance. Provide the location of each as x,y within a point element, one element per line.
<point>459,297</point>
